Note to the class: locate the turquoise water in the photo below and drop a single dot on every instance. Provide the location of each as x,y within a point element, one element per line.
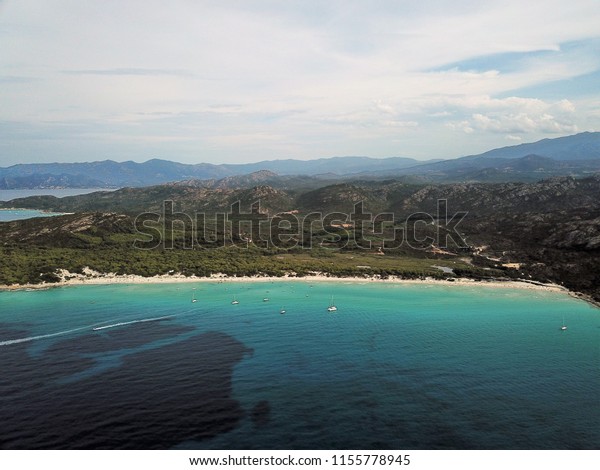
<point>7,215</point>
<point>397,366</point>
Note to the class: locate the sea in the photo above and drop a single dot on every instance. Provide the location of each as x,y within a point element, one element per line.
<point>7,215</point>
<point>397,366</point>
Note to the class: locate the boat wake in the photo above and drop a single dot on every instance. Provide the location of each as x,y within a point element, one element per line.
<point>33,338</point>
<point>132,322</point>
<point>66,332</point>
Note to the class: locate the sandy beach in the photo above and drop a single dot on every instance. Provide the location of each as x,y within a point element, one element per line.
<point>90,277</point>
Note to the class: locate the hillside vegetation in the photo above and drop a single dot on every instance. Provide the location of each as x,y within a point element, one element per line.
<point>542,231</point>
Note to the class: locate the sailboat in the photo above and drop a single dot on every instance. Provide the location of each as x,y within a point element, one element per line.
<point>194,300</point>
<point>234,301</point>
<point>332,307</point>
<point>563,327</point>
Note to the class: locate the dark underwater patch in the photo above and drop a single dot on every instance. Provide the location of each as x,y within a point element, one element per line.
<point>261,413</point>
<point>154,399</point>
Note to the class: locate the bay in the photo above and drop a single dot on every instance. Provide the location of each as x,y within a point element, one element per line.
<point>6,215</point>
<point>398,366</point>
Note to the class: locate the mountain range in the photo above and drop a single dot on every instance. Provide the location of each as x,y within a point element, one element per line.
<point>576,155</point>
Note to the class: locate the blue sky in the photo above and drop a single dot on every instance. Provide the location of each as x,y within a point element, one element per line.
<point>241,81</point>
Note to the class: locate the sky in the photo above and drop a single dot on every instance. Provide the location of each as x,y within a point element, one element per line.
<point>242,81</point>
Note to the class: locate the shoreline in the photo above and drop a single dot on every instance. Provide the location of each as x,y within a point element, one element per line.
<point>90,278</point>
<point>43,211</point>
<point>95,278</point>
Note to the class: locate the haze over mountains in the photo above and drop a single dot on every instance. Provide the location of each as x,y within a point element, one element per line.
<point>576,155</point>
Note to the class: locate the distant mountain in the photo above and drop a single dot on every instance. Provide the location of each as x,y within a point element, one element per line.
<point>576,155</point>
<point>114,174</point>
<point>109,173</point>
<point>46,181</point>
<point>263,177</point>
<point>493,169</point>
<point>583,146</point>
<point>322,166</point>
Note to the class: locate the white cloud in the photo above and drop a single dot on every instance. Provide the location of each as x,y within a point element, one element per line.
<point>522,123</point>
<point>518,116</point>
<point>464,126</point>
<point>321,77</point>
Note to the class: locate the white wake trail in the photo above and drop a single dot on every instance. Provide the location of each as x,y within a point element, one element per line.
<point>33,338</point>
<point>66,332</point>
<point>113,325</point>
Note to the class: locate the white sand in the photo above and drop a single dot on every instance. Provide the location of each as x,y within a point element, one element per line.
<point>90,277</point>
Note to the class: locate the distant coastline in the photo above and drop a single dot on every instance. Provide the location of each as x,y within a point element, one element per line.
<point>44,211</point>
<point>10,194</point>
<point>10,214</point>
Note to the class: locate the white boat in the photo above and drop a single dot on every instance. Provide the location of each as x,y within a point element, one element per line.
<point>282,311</point>
<point>266,299</point>
<point>332,307</point>
<point>563,327</point>
<point>194,300</point>
<point>234,301</point>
